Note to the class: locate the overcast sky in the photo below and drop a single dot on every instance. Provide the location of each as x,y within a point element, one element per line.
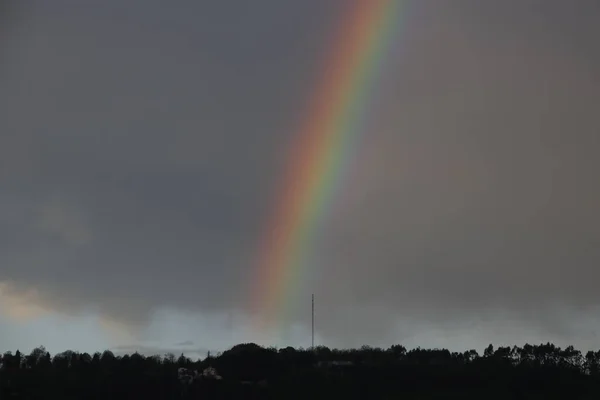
<point>141,142</point>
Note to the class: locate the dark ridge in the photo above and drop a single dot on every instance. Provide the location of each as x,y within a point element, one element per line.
<point>249,371</point>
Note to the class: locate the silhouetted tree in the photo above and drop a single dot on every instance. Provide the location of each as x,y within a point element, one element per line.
<point>252,371</point>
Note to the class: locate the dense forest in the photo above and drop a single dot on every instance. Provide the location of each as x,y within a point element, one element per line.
<point>249,371</point>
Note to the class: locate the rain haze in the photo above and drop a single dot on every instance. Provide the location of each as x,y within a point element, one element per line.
<point>142,145</point>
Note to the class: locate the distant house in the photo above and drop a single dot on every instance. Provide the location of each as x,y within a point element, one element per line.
<point>211,373</point>
<point>188,376</point>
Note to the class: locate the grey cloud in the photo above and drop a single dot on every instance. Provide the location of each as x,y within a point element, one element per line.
<point>483,193</point>
<point>138,163</point>
<point>167,151</point>
<point>186,343</point>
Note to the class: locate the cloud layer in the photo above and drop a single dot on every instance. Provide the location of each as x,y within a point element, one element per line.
<point>140,146</point>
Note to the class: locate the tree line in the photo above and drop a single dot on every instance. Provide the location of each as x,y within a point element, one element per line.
<point>252,371</point>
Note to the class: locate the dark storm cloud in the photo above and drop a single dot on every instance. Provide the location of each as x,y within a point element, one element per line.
<point>480,191</point>
<point>140,144</point>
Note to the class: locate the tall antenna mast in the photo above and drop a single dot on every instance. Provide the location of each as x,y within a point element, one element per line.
<point>313,322</point>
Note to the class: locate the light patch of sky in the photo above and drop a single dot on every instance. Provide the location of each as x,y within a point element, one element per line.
<point>175,331</point>
<point>501,328</point>
<point>170,331</point>
<point>55,332</point>
<point>214,332</point>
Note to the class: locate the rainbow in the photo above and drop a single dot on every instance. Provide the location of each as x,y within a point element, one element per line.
<point>320,155</point>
